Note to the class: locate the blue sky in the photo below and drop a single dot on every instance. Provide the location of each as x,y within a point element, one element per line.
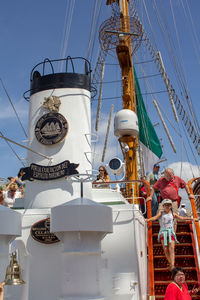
<point>33,30</point>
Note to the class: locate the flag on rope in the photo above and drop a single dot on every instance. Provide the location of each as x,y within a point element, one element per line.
<point>148,138</point>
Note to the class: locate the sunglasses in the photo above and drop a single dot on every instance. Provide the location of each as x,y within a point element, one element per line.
<point>13,190</point>
<point>101,170</point>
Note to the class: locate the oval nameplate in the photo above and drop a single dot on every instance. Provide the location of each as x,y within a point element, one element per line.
<point>40,231</point>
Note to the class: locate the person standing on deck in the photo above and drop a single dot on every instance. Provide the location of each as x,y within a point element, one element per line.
<point>182,211</point>
<point>152,178</point>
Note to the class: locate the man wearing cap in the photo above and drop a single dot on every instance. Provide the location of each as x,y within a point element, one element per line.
<point>182,211</point>
<point>152,178</point>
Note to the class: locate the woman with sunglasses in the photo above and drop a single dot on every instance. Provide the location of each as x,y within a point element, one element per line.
<point>102,177</point>
<point>166,234</point>
<point>178,289</point>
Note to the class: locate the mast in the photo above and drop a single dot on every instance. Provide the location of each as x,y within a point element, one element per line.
<point>124,54</point>
<point>125,32</point>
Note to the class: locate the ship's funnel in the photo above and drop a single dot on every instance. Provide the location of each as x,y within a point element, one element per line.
<point>60,132</point>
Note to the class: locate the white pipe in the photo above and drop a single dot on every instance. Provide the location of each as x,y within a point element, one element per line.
<point>165,126</point>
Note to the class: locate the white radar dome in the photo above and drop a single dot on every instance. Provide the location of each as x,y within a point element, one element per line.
<point>126,123</point>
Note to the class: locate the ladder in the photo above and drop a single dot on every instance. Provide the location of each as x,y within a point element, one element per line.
<point>185,257</point>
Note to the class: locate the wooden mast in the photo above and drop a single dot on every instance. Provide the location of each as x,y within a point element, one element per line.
<point>124,54</point>
<point>124,33</point>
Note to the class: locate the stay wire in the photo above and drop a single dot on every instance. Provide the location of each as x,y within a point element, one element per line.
<point>66,32</point>
<point>183,69</point>
<point>13,107</point>
<point>13,150</point>
<point>94,28</point>
<point>169,44</point>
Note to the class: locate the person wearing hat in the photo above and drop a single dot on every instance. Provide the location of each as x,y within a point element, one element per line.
<point>182,211</point>
<point>166,235</point>
<point>152,178</point>
<point>169,186</point>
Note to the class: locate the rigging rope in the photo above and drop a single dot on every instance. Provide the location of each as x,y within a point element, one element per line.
<point>183,70</point>
<point>178,124</point>
<point>194,38</point>
<point>25,147</point>
<point>66,31</point>
<point>94,27</point>
<point>13,107</point>
<point>179,68</point>
<point>182,112</point>
<point>13,150</point>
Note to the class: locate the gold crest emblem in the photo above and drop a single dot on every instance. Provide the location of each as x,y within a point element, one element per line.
<point>52,103</point>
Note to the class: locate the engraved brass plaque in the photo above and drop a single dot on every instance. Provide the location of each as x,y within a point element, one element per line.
<point>40,231</point>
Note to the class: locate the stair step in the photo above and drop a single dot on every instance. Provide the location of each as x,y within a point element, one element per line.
<point>169,281</point>
<point>178,233</point>
<point>177,245</point>
<point>185,256</point>
<point>177,256</point>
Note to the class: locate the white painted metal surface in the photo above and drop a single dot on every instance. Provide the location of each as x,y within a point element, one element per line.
<point>76,147</point>
<point>87,263</point>
<point>81,224</point>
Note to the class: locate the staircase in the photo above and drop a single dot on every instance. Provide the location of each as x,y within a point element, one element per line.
<point>185,257</point>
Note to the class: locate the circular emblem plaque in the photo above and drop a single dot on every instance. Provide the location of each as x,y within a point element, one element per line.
<point>51,129</point>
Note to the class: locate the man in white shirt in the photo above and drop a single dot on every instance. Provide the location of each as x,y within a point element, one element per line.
<point>182,211</point>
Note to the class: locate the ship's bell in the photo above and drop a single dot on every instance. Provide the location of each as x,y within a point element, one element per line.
<point>13,272</point>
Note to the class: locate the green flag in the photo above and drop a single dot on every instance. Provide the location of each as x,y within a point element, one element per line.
<point>149,140</point>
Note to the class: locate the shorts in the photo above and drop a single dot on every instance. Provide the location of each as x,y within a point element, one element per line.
<point>162,237</point>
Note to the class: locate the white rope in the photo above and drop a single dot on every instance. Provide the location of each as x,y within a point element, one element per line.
<point>25,147</point>
<point>14,151</point>
<point>172,52</point>
<point>183,68</point>
<point>13,107</point>
<point>93,28</point>
<point>66,32</point>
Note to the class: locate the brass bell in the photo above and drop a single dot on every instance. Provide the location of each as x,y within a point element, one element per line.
<point>13,272</point>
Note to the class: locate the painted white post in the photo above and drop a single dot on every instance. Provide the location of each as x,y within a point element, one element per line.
<point>81,224</point>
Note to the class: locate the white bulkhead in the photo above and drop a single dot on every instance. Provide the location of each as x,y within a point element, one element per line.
<point>126,123</point>
<point>67,264</point>
<point>62,135</point>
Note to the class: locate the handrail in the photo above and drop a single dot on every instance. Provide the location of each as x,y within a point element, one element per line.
<point>194,209</point>
<point>149,235</point>
<point>151,289</point>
